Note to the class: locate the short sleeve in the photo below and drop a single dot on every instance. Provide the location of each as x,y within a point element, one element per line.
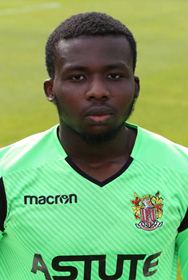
<point>182,244</point>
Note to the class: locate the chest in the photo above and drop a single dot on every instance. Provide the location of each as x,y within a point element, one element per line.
<point>119,215</point>
<point>68,220</point>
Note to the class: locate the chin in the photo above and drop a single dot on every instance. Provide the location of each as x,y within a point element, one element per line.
<point>101,137</point>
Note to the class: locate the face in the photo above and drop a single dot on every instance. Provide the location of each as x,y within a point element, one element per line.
<point>94,87</point>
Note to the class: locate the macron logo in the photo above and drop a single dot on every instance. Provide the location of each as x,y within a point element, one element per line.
<point>50,199</point>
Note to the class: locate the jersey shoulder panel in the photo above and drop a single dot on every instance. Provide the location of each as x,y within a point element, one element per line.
<point>160,151</point>
<point>32,151</point>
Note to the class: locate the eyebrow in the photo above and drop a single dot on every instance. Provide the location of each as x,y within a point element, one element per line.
<point>119,65</point>
<point>77,67</point>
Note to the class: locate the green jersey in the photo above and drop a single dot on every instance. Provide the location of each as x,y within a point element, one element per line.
<point>59,223</point>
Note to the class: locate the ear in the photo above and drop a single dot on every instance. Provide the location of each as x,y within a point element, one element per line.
<point>48,89</point>
<point>137,86</point>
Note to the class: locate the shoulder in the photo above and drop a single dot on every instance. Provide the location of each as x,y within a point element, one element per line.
<point>25,152</point>
<point>158,150</point>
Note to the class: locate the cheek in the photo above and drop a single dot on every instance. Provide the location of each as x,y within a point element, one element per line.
<point>125,101</point>
<point>125,89</point>
<point>125,97</point>
<point>68,93</point>
<point>67,105</point>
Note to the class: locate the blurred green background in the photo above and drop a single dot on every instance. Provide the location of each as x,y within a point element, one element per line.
<point>160,28</point>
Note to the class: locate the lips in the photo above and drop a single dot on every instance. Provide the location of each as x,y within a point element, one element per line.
<point>99,114</point>
<point>99,111</point>
<point>98,118</point>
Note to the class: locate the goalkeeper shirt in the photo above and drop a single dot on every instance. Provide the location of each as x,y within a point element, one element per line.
<point>56,222</point>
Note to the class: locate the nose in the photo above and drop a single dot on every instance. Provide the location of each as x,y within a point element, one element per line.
<point>98,90</point>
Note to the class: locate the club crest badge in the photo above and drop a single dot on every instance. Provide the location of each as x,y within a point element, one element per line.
<point>148,209</point>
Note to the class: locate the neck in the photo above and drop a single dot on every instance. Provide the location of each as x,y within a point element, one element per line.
<point>78,148</point>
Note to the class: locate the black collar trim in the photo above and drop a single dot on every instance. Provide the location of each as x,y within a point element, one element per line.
<point>99,183</point>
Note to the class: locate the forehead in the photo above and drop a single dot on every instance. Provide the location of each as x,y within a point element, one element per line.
<point>94,50</point>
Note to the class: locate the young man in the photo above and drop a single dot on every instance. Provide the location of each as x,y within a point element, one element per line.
<point>94,197</point>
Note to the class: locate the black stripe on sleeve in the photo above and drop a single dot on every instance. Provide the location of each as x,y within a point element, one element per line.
<point>184,223</point>
<point>3,204</point>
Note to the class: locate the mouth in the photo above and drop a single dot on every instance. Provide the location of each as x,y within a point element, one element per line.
<point>98,118</point>
<point>99,114</point>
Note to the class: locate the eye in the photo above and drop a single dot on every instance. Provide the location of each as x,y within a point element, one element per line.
<point>77,77</point>
<point>114,76</point>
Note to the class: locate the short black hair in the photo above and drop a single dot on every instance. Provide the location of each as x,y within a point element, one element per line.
<point>87,24</point>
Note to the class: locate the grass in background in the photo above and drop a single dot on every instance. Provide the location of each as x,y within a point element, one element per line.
<point>160,28</point>
<point>161,32</point>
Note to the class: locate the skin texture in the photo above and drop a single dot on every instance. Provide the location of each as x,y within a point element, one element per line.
<point>94,89</point>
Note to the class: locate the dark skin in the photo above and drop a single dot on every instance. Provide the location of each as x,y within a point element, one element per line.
<point>94,89</point>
